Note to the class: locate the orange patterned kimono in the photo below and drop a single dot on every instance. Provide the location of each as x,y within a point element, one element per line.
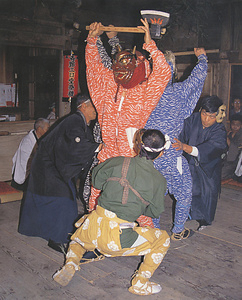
<point>131,109</point>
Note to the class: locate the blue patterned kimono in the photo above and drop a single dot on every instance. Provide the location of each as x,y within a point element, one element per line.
<point>176,104</point>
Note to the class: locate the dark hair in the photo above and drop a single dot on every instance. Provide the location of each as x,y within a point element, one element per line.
<point>236,117</point>
<point>81,99</point>
<point>152,138</point>
<point>78,100</point>
<point>211,104</point>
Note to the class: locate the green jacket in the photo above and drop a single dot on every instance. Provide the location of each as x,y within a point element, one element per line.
<point>143,177</point>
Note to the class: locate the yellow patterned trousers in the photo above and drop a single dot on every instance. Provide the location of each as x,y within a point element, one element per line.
<point>100,230</point>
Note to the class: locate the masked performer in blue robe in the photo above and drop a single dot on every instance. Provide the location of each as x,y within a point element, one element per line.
<point>203,140</point>
<point>176,104</point>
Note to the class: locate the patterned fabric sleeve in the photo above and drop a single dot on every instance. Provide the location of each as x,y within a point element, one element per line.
<point>88,181</point>
<point>99,78</point>
<point>193,85</point>
<point>106,60</point>
<point>114,43</point>
<point>157,80</point>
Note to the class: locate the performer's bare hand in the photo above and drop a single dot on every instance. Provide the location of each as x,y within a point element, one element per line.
<point>146,28</point>
<point>178,145</point>
<point>95,29</point>
<point>199,51</point>
<point>111,34</point>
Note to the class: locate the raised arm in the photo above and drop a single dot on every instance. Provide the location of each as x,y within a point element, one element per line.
<point>98,77</point>
<point>113,42</point>
<point>193,85</point>
<point>159,77</point>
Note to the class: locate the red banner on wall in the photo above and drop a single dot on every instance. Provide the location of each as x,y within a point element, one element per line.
<point>70,76</point>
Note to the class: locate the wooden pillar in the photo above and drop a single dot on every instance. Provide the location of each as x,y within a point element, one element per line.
<point>61,106</point>
<point>3,64</point>
<point>224,81</point>
<point>224,65</point>
<point>31,88</point>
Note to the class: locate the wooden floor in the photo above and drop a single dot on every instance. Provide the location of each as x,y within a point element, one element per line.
<point>206,266</point>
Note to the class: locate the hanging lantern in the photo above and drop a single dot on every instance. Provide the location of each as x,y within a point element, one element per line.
<point>70,76</point>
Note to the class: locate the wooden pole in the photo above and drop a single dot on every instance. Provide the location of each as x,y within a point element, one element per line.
<point>192,52</point>
<point>119,29</point>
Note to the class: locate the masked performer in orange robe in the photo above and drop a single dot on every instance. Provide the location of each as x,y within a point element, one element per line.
<point>124,96</point>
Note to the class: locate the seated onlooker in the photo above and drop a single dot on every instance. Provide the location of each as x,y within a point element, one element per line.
<point>24,152</point>
<point>236,108</point>
<point>238,170</point>
<point>234,140</point>
<point>52,114</point>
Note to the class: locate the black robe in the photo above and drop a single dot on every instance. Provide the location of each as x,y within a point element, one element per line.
<point>49,208</point>
<point>206,168</point>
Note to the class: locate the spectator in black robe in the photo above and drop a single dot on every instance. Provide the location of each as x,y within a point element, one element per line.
<point>203,140</point>
<point>49,208</point>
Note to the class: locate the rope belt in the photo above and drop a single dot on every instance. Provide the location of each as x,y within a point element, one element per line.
<point>127,225</point>
<point>124,182</point>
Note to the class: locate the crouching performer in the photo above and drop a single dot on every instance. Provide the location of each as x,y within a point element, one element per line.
<point>130,187</point>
